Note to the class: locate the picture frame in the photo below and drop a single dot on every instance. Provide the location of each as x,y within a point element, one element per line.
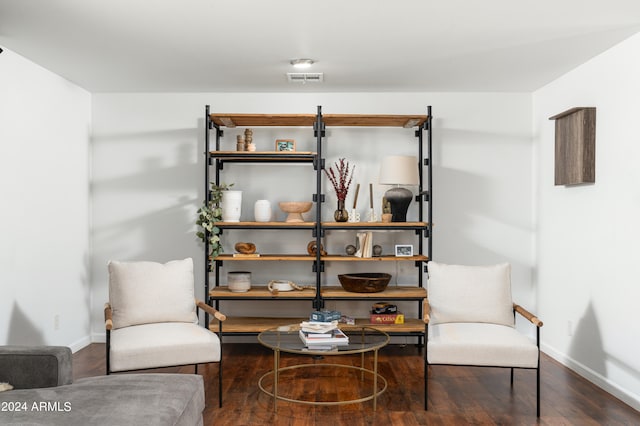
<point>404,250</point>
<point>285,145</point>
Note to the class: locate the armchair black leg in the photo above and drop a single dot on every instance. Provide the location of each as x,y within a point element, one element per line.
<point>426,366</point>
<point>538,374</point>
<point>220,384</point>
<point>538,391</point>
<point>426,408</point>
<point>196,368</point>
<point>511,376</point>
<point>108,350</point>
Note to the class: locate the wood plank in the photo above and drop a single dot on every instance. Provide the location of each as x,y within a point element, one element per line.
<point>267,258</point>
<point>327,225</point>
<point>223,292</point>
<point>329,258</point>
<point>307,120</point>
<point>264,120</point>
<point>261,153</point>
<point>373,120</point>
<point>254,325</point>
<point>264,156</point>
<point>336,292</point>
<point>411,325</point>
<point>266,225</point>
<point>374,225</point>
<point>575,140</point>
<point>340,258</point>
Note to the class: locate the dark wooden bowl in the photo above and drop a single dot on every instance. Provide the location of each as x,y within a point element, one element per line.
<point>373,282</point>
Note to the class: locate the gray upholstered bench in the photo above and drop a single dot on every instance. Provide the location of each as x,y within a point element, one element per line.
<point>44,394</point>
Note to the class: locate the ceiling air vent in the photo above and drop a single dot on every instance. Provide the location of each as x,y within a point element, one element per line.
<point>305,77</point>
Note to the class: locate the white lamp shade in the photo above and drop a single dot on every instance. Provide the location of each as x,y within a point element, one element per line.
<point>399,170</point>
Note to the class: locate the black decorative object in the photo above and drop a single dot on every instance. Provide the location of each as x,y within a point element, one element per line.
<point>399,170</point>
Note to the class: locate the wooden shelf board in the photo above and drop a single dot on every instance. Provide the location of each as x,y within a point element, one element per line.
<point>304,120</point>
<point>374,225</point>
<point>336,292</point>
<point>326,225</point>
<point>411,325</point>
<point>260,120</point>
<point>264,156</point>
<point>252,324</point>
<point>255,325</point>
<point>267,257</point>
<point>223,292</point>
<point>339,258</point>
<point>329,258</point>
<point>376,120</point>
<point>266,225</point>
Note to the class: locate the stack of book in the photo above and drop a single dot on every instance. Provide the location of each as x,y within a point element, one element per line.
<point>322,335</point>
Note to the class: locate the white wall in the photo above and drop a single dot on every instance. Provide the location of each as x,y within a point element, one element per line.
<point>44,228</point>
<point>148,181</point>
<point>587,251</point>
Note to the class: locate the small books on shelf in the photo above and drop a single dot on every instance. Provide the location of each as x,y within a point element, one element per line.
<point>335,337</point>
<point>397,318</point>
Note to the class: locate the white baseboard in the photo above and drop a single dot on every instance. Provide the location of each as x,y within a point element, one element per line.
<point>79,344</point>
<point>594,377</point>
<point>98,338</point>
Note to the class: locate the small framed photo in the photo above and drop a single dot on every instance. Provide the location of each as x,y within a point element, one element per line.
<point>285,145</point>
<point>404,250</point>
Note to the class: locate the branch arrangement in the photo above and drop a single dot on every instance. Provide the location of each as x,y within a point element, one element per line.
<point>341,177</point>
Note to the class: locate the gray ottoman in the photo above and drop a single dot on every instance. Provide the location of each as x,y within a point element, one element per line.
<point>124,399</point>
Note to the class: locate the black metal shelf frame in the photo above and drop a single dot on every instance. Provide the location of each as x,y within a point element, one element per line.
<point>214,157</point>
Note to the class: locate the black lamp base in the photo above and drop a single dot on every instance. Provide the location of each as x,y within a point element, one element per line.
<point>399,198</point>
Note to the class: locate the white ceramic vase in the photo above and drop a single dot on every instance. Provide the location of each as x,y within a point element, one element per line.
<point>231,206</point>
<point>239,281</point>
<point>262,211</point>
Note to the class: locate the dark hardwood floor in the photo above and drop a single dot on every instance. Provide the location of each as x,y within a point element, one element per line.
<point>457,395</point>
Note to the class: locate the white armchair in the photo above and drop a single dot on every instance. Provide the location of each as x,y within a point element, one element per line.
<point>151,319</point>
<point>470,320</point>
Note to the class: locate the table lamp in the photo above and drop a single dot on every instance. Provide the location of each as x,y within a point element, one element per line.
<point>399,170</point>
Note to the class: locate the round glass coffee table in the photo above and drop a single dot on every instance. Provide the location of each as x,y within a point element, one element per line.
<point>361,340</point>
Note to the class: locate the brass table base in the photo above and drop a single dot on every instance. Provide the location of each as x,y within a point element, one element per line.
<point>373,396</point>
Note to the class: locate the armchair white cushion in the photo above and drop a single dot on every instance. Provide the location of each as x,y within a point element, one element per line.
<point>161,345</point>
<point>151,318</point>
<point>459,293</point>
<point>480,344</point>
<point>470,320</point>
<point>150,292</point>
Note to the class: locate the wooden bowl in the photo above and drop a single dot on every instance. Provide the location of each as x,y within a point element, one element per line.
<point>373,282</point>
<point>245,248</point>
<point>295,209</point>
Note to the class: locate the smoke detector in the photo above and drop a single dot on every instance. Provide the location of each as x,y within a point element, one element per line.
<point>305,77</point>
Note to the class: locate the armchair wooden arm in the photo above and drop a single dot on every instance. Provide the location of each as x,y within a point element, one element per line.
<point>108,320</point>
<point>426,310</point>
<point>211,310</point>
<point>528,315</point>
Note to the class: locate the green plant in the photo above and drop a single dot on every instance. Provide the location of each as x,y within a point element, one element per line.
<point>208,215</point>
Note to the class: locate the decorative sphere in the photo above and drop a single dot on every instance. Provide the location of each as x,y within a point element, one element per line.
<point>350,249</point>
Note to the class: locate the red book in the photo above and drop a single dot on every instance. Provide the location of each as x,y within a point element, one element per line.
<point>396,318</point>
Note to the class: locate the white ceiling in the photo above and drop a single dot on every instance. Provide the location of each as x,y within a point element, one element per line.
<point>360,45</point>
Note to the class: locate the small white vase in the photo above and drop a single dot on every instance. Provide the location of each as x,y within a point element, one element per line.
<point>239,281</point>
<point>262,211</point>
<point>231,206</point>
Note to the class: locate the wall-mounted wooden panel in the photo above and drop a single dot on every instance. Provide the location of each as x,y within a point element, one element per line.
<point>575,146</point>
